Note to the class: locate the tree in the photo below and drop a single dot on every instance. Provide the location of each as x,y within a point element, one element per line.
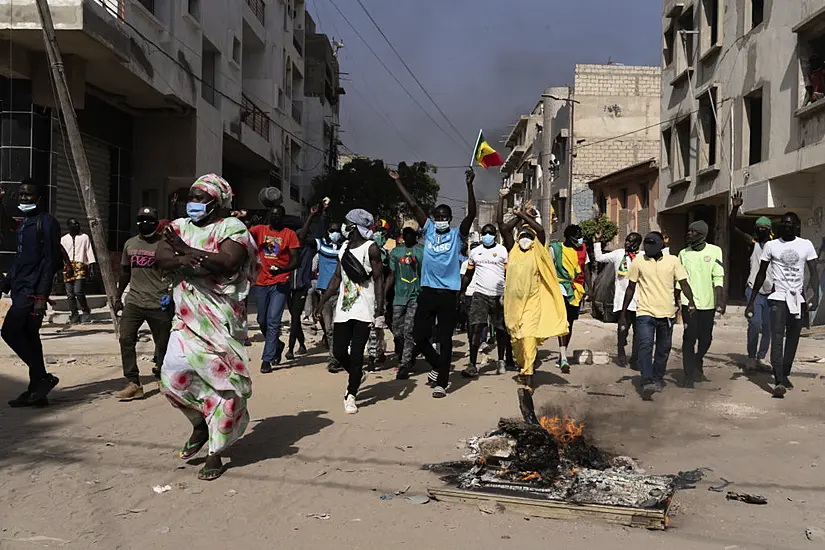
<point>601,227</point>
<point>365,183</point>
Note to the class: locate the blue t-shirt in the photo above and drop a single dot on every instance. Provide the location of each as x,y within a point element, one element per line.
<point>441,267</point>
<point>327,262</point>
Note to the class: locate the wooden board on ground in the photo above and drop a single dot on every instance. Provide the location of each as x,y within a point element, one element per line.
<point>632,517</point>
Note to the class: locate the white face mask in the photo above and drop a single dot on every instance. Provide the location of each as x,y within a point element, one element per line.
<point>442,225</point>
<point>525,243</point>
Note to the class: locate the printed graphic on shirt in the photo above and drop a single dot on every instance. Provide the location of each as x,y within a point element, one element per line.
<point>141,259</point>
<point>789,265</point>
<point>271,247</point>
<point>441,243</point>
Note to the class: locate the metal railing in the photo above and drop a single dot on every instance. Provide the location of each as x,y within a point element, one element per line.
<point>297,110</point>
<point>259,9</point>
<point>255,118</point>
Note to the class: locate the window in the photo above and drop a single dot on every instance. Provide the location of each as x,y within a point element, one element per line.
<point>683,144</point>
<point>194,8</point>
<point>148,4</point>
<point>752,137</point>
<point>666,147</point>
<point>209,65</point>
<point>757,12</point>
<point>561,211</point>
<point>667,46</point>
<point>707,122</point>
<point>811,45</point>
<point>602,204</point>
<point>623,198</point>
<point>644,196</point>
<point>686,45</point>
<point>236,50</point>
<point>710,31</point>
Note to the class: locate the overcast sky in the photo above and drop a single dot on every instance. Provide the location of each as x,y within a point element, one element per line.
<point>484,63</point>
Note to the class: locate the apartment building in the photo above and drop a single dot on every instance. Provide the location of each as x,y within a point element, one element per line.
<point>742,89</point>
<point>165,90</point>
<point>521,171</point>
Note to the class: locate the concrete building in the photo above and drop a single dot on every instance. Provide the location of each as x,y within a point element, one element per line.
<point>628,198</point>
<point>739,117</point>
<point>521,171</point>
<point>165,91</point>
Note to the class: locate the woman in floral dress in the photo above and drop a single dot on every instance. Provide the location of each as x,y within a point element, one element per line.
<point>204,373</point>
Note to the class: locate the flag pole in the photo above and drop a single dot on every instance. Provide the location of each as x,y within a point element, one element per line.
<point>473,158</point>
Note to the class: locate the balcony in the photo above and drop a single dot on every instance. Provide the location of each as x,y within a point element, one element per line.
<point>255,118</point>
<point>259,9</point>
<point>514,158</point>
<point>298,41</point>
<point>297,111</point>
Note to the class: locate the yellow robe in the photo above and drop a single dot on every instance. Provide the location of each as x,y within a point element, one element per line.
<point>533,303</point>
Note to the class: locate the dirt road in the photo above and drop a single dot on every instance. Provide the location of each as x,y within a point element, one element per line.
<point>80,473</point>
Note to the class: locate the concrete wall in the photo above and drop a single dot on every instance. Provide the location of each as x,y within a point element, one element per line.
<point>612,101</point>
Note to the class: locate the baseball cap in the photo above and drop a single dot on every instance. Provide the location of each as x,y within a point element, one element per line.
<point>148,212</point>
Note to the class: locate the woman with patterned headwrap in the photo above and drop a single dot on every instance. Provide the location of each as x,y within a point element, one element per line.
<point>213,260</point>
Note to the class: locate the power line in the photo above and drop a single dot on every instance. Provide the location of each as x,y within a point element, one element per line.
<point>381,61</point>
<point>409,70</point>
<point>386,119</point>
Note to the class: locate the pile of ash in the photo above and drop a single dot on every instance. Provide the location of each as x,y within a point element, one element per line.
<point>552,460</point>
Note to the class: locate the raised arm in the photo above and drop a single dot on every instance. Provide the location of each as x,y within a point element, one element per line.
<point>732,222</point>
<point>467,222</point>
<point>418,212</point>
<point>304,231</point>
<point>534,225</point>
<point>506,229</point>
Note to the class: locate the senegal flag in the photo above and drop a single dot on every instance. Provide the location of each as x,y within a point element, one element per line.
<point>485,155</point>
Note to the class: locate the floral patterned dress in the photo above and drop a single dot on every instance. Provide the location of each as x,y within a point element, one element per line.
<point>204,372</point>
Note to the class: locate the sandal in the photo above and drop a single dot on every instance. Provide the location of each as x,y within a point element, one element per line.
<point>191,449</point>
<point>210,474</point>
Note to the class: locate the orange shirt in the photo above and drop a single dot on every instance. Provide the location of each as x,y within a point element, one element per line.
<point>273,249</point>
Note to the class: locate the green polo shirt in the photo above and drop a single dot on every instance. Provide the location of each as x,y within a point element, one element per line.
<point>705,271</point>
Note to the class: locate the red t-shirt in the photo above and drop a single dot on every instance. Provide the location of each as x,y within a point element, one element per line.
<point>273,249</point>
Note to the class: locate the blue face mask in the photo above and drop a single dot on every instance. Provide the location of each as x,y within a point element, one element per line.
<point>334,236</point>
<point>579,242</point>
<point>488,240</point>
<point>27,207</point>
<point>443,225</point>
<point>196,210</point>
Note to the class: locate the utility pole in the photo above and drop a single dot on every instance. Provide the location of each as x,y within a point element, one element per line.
<point>79,157</point>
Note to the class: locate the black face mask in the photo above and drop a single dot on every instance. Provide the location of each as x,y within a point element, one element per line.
<point>74,231</point>
<point>147,229</point>
<point>653,249</point>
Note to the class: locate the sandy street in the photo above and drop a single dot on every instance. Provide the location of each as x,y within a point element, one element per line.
<point>80,473</point>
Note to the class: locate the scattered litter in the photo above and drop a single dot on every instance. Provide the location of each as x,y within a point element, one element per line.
<point>419,499</point>
<point>605,394</point>
<point>821,360</point>
<point>321,473</point>
<point>110,444</point>
<point>132,511</point>
<point>402,491</point>
<point>181,485</point>
<point>319,516</point>
<point>160,489</point>
<point>815,534</point>
<point>163,530</point>
<point>40,538</point>
<point>688,480</point>
<point>71,360</point>
<point>505,537</point>
<point>231,493</point>
<point>386,496</point>
<point>51,360</point>
<point>491,508</point>
<point>721,487</point>
<point>716,435</point>
<point>746,498</point>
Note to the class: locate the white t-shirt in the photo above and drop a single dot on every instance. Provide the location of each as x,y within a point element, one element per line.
<point>787,267</point>
<point>615,258</point>
<point>356,302</point>
<point>490,265</point>
<point>767,288</point>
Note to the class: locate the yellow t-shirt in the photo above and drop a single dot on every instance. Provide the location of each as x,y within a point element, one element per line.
<point>655,280</point>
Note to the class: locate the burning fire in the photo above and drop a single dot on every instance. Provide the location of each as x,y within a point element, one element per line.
<point>564,430</point>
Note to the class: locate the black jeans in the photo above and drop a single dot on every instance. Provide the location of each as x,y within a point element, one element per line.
<point>160,323</point>
<point>622,332</point>
<point>698,328</point>
<point>350,340</point>
<point>76,295</point>
<point>297,301</point>
<point>785,331</point>
<point>436,306</point>
<point>21,331</point>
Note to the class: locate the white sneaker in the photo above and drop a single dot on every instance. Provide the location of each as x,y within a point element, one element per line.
<point>349,405</point>
<point>502,367</point>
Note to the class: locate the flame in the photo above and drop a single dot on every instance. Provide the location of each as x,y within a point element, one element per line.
<point>530,476</point>
<point>564,430</point>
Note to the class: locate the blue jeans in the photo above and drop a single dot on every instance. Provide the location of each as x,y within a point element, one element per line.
<point>647,331</point>
<point>760,322</point>
<point>271,301</point>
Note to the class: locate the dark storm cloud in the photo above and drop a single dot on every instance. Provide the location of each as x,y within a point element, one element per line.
<point>483,63</point>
